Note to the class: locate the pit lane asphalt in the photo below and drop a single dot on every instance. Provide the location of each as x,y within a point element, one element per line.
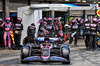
<point>79,57</point>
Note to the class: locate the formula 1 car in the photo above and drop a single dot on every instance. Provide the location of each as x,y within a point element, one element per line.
<point>46,49</point>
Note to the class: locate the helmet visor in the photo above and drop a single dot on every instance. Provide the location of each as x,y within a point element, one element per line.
<point>7,20</point>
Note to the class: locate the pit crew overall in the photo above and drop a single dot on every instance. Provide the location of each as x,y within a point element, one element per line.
<point>17,33</point>
<point>50,28</point>
<point>93,37</point>
<point>42,31</point>
<point>31,32</point>
<point>87,34</point>
<point>7,33</point>
<point>74,28</point>
<point>58,29</point>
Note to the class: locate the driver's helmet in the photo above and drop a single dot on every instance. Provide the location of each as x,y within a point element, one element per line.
<point>7,19</point>
<point>49,21</point>
<point>95,20</point>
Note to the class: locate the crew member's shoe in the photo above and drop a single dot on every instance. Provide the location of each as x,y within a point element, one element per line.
<point>88,48</point>
<point>9,48</point>
<point>75,45</point>
<point>3,48</point>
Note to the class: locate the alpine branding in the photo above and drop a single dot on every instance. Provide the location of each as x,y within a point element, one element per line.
<point>32,58</point>
<point>58,59</point>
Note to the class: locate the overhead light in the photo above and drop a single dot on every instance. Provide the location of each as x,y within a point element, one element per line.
<point>60,0</point>
<point>55,9</point>
<point>94,2</point>
<point>66,0</point>
<point>83,1</point>
<point>98,2</point>
<point>78,0</point>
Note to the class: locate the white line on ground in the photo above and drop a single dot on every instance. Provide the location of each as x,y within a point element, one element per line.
<point>9,58</point>
<point>78,48</point>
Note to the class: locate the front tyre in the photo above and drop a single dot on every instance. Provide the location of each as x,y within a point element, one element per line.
<point>68,62</point>
<point>66,55</point>
<point>24,53</point>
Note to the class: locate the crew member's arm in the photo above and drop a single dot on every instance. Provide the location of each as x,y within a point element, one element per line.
<point>35,29</point>
<point>59,26</point>
<point>38,30</point>
<point>21,26</point>
<point>2,24</point>
<point>71,30</point>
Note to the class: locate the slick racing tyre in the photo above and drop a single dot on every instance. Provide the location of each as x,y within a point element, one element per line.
<point>24,53</point>
<point>66,55</point>
<point>67,62</point>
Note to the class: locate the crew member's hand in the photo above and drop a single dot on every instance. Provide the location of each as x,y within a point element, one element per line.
<point>1,26</point>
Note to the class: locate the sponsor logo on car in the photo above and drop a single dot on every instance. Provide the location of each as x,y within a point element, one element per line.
<point>58,59</point>
<point>32,58</point>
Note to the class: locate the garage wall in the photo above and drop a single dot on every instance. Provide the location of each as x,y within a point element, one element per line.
<point>14,6</point>
<point>89,12</point>
<point>1,5</point>
<point>77,12</point>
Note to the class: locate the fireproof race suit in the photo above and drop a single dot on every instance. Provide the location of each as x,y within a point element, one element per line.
<point>7,33</point>
<point>87,34</point>
<point>93,37</point>
<point>17,33</point>
<point>50,28</point>
<point>58,29</point>
<point>74,28</point>
<point>42,31</point>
